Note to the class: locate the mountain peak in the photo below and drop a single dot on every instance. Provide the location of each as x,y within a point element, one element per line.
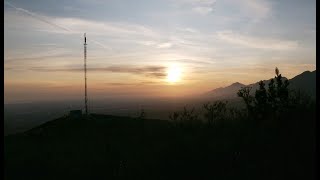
<point>226,91</point>
<point>237,84</point>
<point>305,80</point>
<point>306,72</point>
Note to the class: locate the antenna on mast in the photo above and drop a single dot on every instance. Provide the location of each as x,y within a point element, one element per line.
<point>85,75</point>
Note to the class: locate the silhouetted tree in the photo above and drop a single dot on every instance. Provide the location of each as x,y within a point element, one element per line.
<point>279,94</point>
<point>215,111</point>
<point>270,101</point>
<point>272,94</point>
<point>188,115</point>
<point>244,93</point>
<point>261,100</point>
<point>209,112</point>
<point>234,113</point>
<point>174,117</point>
<point>186,118</point>
<point>299,99</point>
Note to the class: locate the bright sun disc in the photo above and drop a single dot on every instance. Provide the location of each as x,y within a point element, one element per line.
<point>174,74</point>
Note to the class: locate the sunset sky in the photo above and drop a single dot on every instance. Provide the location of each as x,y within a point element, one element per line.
<point>132,45</point>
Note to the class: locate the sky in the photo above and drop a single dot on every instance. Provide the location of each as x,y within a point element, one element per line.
<point>133,45</point>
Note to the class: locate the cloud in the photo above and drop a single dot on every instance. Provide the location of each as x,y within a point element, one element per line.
<point>156,74</point>
<point>260,8</point>
<point>203,3</point>
<point>116,32</point>
<point>131,84</point>
<point>50,45</point>
<point>103,28</point>
<point>67,25</point>
<point>164,45</point>
<point>147,43</point>
<point>254,9</point>
<point>149,71</point>
<point>202,10</point>
<point>155,44</point>
<point>37,16</point>
<point>20,60</point>
<point>36,58</point>
<point>50,21</point>
<point>256,42</point>
<point>202,7</point>
<point>195,62</point>
<point>187,30</point>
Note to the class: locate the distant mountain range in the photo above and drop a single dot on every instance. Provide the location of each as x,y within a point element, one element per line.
<point>305,82</point>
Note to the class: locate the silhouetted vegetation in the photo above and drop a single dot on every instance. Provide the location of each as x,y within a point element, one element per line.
<point>273,137</point>
<point>215,112</point>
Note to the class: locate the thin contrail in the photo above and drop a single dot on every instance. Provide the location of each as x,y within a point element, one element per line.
<point>38,17</point>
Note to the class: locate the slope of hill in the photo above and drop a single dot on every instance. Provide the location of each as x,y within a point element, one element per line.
<point>114,147</point>
<point>229,91</point>
<point>67,148</point>
<point>305,82</point>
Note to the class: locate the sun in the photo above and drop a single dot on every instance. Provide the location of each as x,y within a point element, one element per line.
<point>174,74</point>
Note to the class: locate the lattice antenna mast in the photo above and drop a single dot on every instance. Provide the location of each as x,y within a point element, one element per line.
<point>85,75</point>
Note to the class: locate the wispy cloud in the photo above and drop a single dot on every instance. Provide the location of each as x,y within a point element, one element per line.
<point>202,7</point>
<point>50,45</point>
<point>187,29</point>
<point>164,45</point>
<point>103,28</point>
<point>60,27</point>
<point>20,60</point>
<point>35,58</point>
<point>37,16</point>
<point>202,10</point>
<point>77,26</point>
<point>256,42</point>
<point>131,84</point>
<point>147,43</point>
<point>253,9</point>
<point>257,9</point>
<point>195,62</point>
<point>155,44</point>
<point>149,71</point>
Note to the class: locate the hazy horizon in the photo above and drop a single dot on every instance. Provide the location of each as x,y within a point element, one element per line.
<point>153,49</point>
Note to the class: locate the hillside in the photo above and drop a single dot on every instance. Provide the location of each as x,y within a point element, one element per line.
<point>229,91</point>
<point>79,148</point>
<point>114,147</point>
<point>305,82</point>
